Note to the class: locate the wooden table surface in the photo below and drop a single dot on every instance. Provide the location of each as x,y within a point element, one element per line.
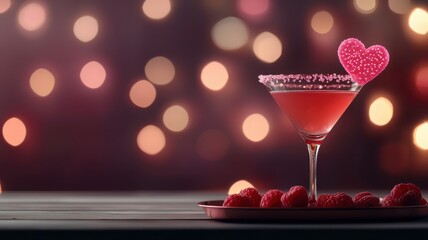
<point>163,215</point>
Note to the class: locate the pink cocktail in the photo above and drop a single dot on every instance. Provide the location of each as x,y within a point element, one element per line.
<point>314,113</point>
<point>313,103</point>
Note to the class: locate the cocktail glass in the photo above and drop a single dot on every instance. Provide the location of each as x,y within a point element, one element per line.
<point>313,103</point>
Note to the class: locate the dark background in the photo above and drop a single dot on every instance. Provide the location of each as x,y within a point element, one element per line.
<point>85,139</point>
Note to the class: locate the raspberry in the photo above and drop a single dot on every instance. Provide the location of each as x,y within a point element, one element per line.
<point>271,199</point>
<point>337,200</point>
<point>236,200</point>
<point>358,196</point>
<point>410,198</point>
<point>400,189</point>
<point>297,196</point>
<point>406,194</point>
<point>253,195</point>
<point>343,200</point>
<point>366,199</point>
<point>423,202</point>
<point>323,200</point>
<point>389,201</point>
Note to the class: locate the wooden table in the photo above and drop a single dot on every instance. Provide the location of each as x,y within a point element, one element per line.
<point>163,215</point>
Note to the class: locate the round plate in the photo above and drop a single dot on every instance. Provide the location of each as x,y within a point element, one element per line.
<point>215,210</point>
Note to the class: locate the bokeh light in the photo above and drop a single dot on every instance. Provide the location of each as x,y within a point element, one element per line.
<point>160,70</point>
<point>418,21</point>
<point>212,145</point>
<point>93,74</point>
<point>420,136</point>
<point>255,127</point>
<point>142,93</point>
<point>400,6</point>
<point>365,6</point>
<point>421,80</point>
<point>381,111</point>
<point>86,28</point>
<point>267,47</point>
<point>151,140</point>
<point>32,16</point>
<point>254,7</point>
<point>42,82</point>
<point>322,22</point>
<point>230,33</point>
<point>4,5</point>
<point>156,9</point>
<point>14,131</point>
<point>176,118</point>
<point>214,76</point>
<point>238,186</point>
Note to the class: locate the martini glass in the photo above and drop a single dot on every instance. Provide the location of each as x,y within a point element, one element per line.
<point>313,103</point>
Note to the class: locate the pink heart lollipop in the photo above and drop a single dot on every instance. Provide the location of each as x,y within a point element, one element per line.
<point>362,64</point>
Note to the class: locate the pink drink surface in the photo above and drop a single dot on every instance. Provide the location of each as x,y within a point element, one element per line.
<point>314,113</point>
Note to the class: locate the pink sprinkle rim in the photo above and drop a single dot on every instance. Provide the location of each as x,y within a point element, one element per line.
<point>308,78</point>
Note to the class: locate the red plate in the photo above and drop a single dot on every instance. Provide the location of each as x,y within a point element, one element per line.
<point>215,210</point>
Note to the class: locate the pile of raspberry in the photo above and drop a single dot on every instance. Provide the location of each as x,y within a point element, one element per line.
<point>403,194</point>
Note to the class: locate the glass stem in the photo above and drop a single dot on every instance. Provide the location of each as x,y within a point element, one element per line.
<point>313,156</point>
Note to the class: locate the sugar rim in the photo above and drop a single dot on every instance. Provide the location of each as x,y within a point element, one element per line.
<point>326,78</point>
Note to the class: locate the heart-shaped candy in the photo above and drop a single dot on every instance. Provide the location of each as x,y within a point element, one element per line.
<point>362,64</point>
